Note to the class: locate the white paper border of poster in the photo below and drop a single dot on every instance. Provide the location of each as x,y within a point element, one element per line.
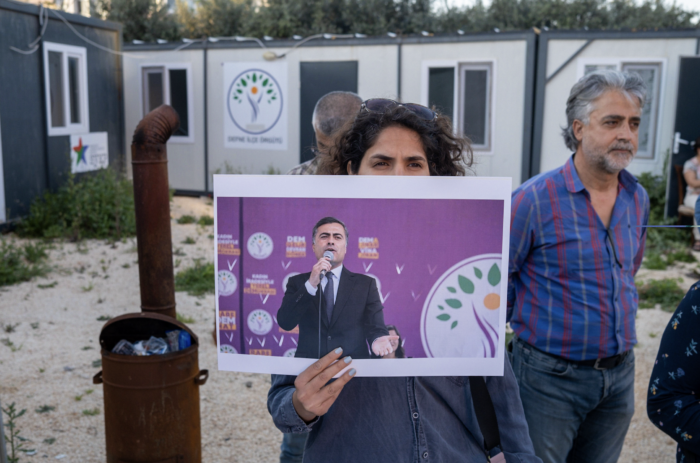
<point>384,187</point>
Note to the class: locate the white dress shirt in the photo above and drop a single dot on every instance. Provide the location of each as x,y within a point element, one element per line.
<point>335,274</point>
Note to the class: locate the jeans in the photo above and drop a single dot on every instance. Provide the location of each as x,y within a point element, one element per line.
<point>574,413</point>
<point>292,448</point>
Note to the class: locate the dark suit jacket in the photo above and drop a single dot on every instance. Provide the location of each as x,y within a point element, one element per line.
<point>357,320</point>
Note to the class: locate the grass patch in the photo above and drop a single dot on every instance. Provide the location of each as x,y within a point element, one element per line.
<point>45,409</point>
<point>185,319</point>
<point>662,241</point>
<point>205,221</point>
<point>10,327</point>
<point>18,264</point>
<point>189,240</point>
<point>197,280</point>
<point>48,285</point>
<point>185,219</point>
<point>664,292</point>
<point>98,205</point>
<point>13,347</point>
<point>91,412</point>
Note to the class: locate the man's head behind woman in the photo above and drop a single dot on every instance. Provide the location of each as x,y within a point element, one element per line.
<point>398,137</point>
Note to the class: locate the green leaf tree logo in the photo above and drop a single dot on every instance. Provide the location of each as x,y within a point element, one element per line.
<point>255,88</point>
<point>254,101</point>
<point>464,301</point>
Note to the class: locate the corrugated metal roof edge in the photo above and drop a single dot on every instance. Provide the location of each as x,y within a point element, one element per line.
<point>70,17</point>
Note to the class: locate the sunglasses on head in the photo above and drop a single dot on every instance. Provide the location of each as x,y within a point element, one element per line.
<point>380,105</point>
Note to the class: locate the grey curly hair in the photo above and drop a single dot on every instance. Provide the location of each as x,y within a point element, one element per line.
<point>589,88</point>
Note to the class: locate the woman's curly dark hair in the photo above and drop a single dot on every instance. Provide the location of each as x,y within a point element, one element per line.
<point>448,154</point>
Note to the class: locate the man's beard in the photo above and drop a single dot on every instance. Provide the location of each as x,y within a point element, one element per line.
<point>606,160</point>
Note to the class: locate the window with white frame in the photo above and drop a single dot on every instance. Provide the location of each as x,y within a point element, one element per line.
<point>463,91</point>
<point>169,84</point>
<point>474,117</point>
<point>65,84</point>
<point>651,74</point>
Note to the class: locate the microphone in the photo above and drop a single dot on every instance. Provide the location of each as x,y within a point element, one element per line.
<point>328,255</point>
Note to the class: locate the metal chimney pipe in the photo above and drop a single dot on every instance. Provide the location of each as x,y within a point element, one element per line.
<point>149,159</point>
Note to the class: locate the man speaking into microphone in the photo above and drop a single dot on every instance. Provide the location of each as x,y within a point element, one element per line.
<point>351,311</point>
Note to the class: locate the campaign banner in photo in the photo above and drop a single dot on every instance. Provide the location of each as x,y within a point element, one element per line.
<point>438,258</point>
<point>255,107</point>
<point>88,152</point>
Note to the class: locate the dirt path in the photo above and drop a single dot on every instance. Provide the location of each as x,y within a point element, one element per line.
<point>54,361</point>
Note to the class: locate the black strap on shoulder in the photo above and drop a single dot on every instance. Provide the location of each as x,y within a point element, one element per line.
<point>485,413</point>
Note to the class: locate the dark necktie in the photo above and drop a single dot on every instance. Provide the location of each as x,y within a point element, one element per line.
<point>328,296</point>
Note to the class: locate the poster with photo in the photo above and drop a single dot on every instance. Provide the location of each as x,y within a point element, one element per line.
<point>427,256</point>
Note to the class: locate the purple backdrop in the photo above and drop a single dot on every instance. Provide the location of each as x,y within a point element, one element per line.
<point>406,244</point>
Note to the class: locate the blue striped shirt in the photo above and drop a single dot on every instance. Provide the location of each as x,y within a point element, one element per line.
<point>571,287</point>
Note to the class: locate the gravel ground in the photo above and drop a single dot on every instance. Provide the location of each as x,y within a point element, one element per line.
<point>58,332</point>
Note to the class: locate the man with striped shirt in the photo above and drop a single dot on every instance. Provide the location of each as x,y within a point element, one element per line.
<point>577,240</point>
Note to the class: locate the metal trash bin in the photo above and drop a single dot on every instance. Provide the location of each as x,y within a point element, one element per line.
<point>151,403</point>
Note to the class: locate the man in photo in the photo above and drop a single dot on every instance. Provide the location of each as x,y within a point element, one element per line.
<point>351,310</point>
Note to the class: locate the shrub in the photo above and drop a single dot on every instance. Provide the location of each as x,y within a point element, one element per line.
<point>99,205</point>
<point>21,264</point>
<point>197,280</point>
<point>661,240</point>
<point>664,292</point>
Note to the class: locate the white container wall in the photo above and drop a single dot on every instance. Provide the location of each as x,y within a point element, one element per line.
<point>654,55</point>
<point>490,77</point>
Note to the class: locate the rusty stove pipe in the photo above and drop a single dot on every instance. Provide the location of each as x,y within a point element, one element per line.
<point>149,160</point>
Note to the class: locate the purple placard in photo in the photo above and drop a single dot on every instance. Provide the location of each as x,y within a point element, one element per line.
<point>436,262</point>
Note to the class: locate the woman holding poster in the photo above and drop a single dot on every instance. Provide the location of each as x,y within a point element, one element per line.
<point>399,419</point>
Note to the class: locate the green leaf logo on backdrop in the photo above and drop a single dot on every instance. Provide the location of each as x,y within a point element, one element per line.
<point>461,314</point>
<point>255,101</point>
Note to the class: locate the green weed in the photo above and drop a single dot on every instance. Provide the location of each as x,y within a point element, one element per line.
<point>48,285</point>
<point>13,347</point>
<point>45,409</point>
<point>664,292</point>
<point>89,287</point>
<point>197,280</point>
<point>35,325</point>
<point>97,205</point>
<point>14,440</point>
<point>185,219</point>
<point>189,240</point>
<point>103,318</point>
<point>9,327</point>
<point>18,265</point>
<point>91,412</point>
<point>205,221</point>
<point>185,319</point>
<point>49,440</point>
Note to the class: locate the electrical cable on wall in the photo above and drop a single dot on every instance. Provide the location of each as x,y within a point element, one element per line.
<point>44,22</point>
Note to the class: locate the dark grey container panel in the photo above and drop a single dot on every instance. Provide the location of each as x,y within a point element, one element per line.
<point>34,162</point>
<point>21,113</point>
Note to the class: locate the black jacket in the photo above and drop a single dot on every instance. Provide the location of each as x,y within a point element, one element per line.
<point>357,320</point>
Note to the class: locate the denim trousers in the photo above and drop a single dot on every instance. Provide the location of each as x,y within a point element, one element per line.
<point>574,413</point>
<point>292,448</point>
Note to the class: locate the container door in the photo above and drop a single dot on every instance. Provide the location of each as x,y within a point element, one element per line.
<point>317,79</point>
<point>3,218</point>
<point>687,128</point>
